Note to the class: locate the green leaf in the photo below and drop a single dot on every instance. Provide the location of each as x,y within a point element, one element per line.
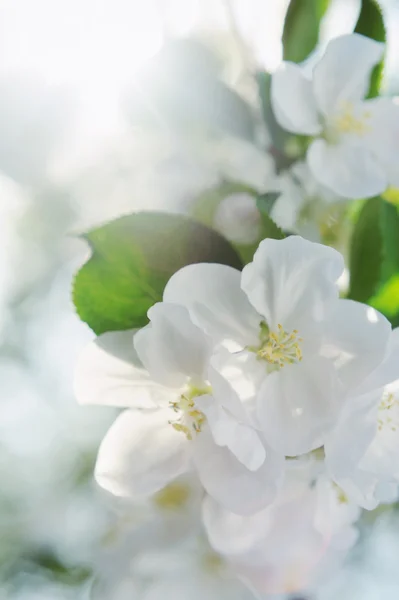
<point>132,260</point>
<point>279,135</point>
<point>265,202</point>
<point>366,252</point>
<point>391,195</point>
<point>389,220</point>
<point>371,24</point>
<point>269,227</point>
<point>386,299</point>
<point>301,28</point>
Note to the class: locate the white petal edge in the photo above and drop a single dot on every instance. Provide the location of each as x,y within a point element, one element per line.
<point>232,534</point>
<point>356,339</point>
<point>230,483</point>
<point>343,72</point>
<point>109,372</point>
<point>216,303</point>
<point>141,453</point>
<point>382,136</point>
<point>242,440</point>
<point>346,168</point>
<point>298,405</point>
<point>291,281</point>
<point>293,102</point>
<point>171,347</point>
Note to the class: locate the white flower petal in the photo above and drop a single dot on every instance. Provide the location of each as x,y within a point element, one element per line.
<point>382,135</point>
<point>231,534</point>
<point>332,512</point>
<point>291,281</point>
<point>231,484</point>
<point>216,302</point>
<point>346,447</point>
<point>343,72</point>
<point>297,405</point>
<point>225,394</point>
<point>141,453</point>
<point>288,205</point>
<point>387,372</point>
<point>356,339</point>
<point>293,101</point>
<point>171,347</point>
<point>238,218</point>
<point>109,372</point>
<point>361,488</point>
<point>353,433</point>
<point>242,440</point>
<point>347,168</point>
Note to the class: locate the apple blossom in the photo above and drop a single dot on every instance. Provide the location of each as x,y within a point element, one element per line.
<point>181,412</point>
<point>362,451</point>
<point>283,313</point>
<point>304,206</point>
<point>355,145</point>
<point>282,549</point>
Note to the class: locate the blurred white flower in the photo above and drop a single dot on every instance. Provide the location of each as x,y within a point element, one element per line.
<point>303,204</point>
<point>161,170</point>
<point>238,219</point>
<point>357,141</point>
<point>151,571</point>
<point>281,549</point>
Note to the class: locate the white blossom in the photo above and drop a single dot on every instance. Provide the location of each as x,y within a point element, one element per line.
<point>356,142</point>
<point>282,548</point>
<point>304,206</point>
<point>284,316</point>
<point>362,451</point>
<point>181,412</point>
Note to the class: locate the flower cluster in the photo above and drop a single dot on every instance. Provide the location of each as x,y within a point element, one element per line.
<point>259,402</point>
<point>276,393</point>
<point>354,142</point>
<point>349,144</point>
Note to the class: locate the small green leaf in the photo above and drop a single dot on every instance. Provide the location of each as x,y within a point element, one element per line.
<point>132,260</point>
<point>279,135</point>
<point>269,227</point>
<point>301,28</point>
<point>265,202</point>
<point>366,252</point>
<point>371,24</point>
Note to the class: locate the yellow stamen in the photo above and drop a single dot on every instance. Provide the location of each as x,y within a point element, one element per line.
<point>347,122</point>
<point>279,348</point>
<point>190,419</point>
<point>388,415</point>
<point>172,497</point>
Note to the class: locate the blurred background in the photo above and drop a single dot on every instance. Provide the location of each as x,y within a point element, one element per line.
<point>110,106</point>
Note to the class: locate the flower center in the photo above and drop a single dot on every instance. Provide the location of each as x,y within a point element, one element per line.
<point>388,413</point>
<point>190,420</point>
<point>280,347</point>
<point>342,498</point>
<point>346,121</point>
<point>173,496</point>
